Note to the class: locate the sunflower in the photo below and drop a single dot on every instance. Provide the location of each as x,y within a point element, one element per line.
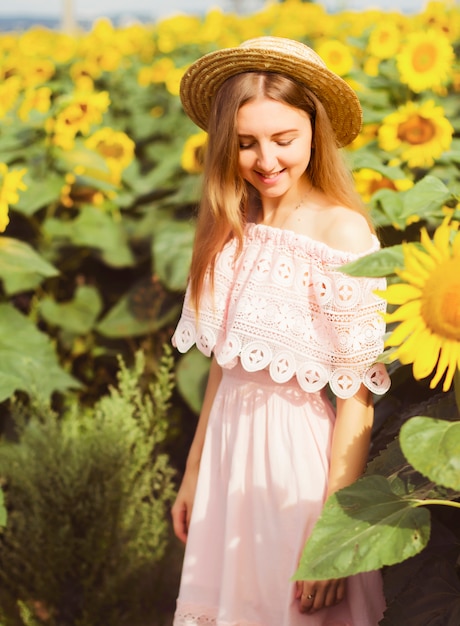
<point>428,333</point>
<point>35,100</point>
<point>442,16</point>
<point>156,73</point>
<point>417,132</point>
<point>369,181</point>
<point>84,72</point>
<point>367,135</point>
<point>336,55</point>
<point>294,19</point>
<point>82,110</point>
<point>173,81</point>
<point>10,183</point>
<point>425,60</point>
<point>175,31</point>
<point>115,147</point>
<point>35,72</point>
<point>193,153</point>
<point>384,40</point>
<point>9,93</point>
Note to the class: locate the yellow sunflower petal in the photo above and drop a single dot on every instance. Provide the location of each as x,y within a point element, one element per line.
<point>406,311</point>
<point>429,245</point>
<point>441,238</point>
<point>425,260</point>
<point>456,245</point>
<point>408,277</point>
<point>442,365</point>
<point>449,376</point>
<point>407,351</point>
<point>403,330</point>
<point>433,246</point>
<point>449,360</point>
<point>427,356</point>
<point>412,262</point>
<point>400,293</point>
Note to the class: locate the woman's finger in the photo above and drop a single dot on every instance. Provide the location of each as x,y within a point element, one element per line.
<point>314,596</point>
<point>180,522</point>
<point>307,600</point>
<point>331,594</point>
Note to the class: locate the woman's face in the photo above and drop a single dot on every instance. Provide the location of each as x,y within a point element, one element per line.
<point>275,147</point>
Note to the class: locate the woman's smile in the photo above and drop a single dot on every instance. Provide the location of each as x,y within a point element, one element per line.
<point>270,177</point>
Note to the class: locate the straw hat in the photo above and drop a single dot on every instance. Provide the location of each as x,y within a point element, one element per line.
<point>203,78</point>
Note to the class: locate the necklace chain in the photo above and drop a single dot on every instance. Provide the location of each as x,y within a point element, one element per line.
<point>299,204</point>
<point>304,197</point>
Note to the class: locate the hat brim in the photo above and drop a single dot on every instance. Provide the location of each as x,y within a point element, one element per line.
<point>203,78</point>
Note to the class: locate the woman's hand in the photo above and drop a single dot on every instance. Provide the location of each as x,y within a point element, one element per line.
<point>314,595</point>
<point>182,508</point>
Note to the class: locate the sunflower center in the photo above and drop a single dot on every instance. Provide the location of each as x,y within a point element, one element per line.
<point>424,58</point>
<point>441,300</point>
<point>384,183</point>
<point>416,130</point>
<point>335,57</point>
<point>110,151</point>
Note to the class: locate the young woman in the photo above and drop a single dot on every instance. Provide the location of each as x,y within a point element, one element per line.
<point>267,301</point>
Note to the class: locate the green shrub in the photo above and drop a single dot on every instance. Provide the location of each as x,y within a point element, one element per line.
<point>87,496</point>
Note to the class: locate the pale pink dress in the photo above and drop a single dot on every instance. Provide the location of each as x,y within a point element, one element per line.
<point>283,323</point>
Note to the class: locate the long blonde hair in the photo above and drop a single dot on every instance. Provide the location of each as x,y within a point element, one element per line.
<point>226,196</point>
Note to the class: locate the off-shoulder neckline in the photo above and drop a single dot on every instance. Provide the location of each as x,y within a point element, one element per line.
<point>267,232</point>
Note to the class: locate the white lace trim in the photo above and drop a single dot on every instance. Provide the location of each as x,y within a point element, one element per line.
<point>282,305</point>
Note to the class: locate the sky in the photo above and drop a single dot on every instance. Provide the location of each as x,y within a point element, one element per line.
<point>163,8</point>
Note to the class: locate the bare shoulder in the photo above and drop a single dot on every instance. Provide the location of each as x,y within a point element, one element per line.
<point>348,230</point>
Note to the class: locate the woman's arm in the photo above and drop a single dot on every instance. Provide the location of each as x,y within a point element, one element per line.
<point>351,438</point>
<point>349,453</point>
<point>182,508</point>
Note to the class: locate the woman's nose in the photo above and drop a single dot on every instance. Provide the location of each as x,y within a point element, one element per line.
<point>266,158</point>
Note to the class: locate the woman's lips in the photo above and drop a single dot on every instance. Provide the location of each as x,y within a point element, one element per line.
<point>269,178</point>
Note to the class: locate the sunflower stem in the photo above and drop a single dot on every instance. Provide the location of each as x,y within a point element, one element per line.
<point>433,501</point>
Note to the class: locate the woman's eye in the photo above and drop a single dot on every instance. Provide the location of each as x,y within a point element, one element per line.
<point>250,144</point>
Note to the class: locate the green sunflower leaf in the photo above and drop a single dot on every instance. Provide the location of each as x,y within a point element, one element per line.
<point>378,264</point>
<point>432,447</point>
<point>425,197</point>
<point>364,527</point>
<point>28,361</point>
<point>365,159</point>
<point>21,267</point>
<point>96,229</point>
<point>39,193</point>
<point>386,207</point>
<point>77,316</point>
<point>172,253</point>
<point>144,309</point>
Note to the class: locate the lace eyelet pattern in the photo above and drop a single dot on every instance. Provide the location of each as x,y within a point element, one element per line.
<point>284,305</point>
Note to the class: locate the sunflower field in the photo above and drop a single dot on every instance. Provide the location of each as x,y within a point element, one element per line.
<point>99,183</point>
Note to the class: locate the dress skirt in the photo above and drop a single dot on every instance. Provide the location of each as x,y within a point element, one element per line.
<point>261,487</point>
